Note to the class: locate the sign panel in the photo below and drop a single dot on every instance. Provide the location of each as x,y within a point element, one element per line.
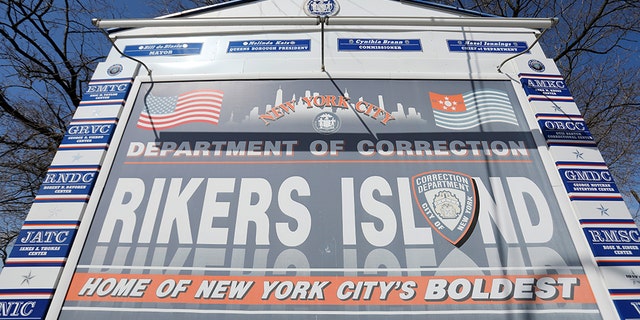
<point>71,181</point>
<point>484,46</point>
<point>545,88</point>
<point>89,134</point>
<point>106,91</point>
<point>43,243</point>
<point>23,308</point>
<point>614,242</point>
<point>269,46</point>
<point>392,198</point>
<point>361,44</point>
<point>628,308</point>
<point>565,130</point>
<point>163,49</point>
<point>587,178</point>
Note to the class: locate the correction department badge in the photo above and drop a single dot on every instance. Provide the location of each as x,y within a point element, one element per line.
<point>321,8</point>
<point>449,202</point>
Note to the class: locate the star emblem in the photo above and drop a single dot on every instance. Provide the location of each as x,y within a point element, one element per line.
<point>579,155</point>
<point>446,104</point>
<point>557,108</point>
<point>27,278</point>
<point>76,157</point>
<point>634,277</point>
<point>603,210</point>
<point>54,212</point>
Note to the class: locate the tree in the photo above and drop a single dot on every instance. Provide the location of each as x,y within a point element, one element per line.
<point>167,7</point>
<point>48,51</point>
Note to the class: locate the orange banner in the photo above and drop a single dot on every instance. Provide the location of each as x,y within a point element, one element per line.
<point>447,103</point>
<point>328,290</point>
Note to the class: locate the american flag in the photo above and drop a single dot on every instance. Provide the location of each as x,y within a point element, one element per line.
<point>162,113</point>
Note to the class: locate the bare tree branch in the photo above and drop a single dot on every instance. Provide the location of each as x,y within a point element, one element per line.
<point>48,51</point>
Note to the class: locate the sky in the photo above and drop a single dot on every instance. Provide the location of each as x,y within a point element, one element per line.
<point>140,9</point>
<point>136,9</point>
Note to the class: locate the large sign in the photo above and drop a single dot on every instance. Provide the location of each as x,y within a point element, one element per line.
<point>308,199</point>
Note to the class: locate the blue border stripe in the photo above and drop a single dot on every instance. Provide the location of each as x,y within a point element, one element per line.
<point>128,79</point>
<point>34,263</point>
<point>540,75</point>
<point>581,164</point>
<point>69,223</point>
<point>607,221</point>
<point>69,200</point>
<point>613,197</point>
<point>625,291</point>
<point>621,263</point>
<point>26,291</point>
<point>76,148</point>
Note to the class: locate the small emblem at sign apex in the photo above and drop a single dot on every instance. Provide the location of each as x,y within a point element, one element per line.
<point>321,8</point>
<point>115,70</point>
<point>536,65</point>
